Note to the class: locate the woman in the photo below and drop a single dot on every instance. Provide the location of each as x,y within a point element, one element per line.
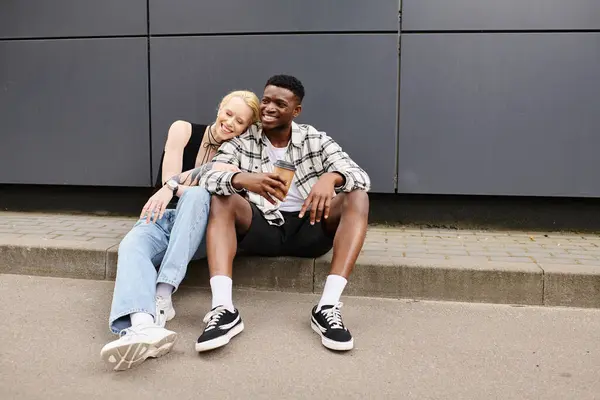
<point>168,238</point>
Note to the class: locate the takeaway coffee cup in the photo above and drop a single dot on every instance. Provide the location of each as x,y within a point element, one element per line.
<point>286,171</point>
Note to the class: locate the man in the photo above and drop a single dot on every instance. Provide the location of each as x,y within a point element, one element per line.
<point>251,206</point>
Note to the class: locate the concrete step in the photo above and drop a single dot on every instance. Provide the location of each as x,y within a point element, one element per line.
<point>555,269</point>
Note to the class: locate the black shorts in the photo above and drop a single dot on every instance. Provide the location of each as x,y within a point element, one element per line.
<point>295,238</point>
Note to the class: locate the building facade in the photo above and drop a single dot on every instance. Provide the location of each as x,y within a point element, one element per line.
<point>477,97</point>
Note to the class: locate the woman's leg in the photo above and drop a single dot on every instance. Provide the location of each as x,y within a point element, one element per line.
<point>140,252</point>
<point>187,236</point>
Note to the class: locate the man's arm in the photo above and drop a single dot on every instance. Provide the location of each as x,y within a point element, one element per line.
<point>336,160</point>
<point>216,181</point>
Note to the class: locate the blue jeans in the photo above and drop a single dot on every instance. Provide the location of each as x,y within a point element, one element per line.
<point>171,243</point>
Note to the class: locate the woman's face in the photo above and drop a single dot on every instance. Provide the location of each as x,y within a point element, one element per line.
<point>233,118</point>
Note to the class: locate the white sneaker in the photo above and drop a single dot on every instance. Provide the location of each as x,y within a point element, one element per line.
<point>137,344</point>
<point>164,311</point>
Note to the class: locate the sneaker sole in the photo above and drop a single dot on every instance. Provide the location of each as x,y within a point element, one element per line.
<point>332,344</point>
<point>127,356</point>
<point>220,341</point>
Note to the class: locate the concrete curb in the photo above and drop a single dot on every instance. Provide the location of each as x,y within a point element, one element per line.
<point>571,285</point>
<point>376,276</point>
<point>64,259</point>
<point>506,283</point>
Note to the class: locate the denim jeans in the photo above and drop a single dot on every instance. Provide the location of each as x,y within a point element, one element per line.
<point>171,243</point>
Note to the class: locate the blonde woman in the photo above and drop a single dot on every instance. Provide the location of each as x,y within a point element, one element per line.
<point>168,235</point>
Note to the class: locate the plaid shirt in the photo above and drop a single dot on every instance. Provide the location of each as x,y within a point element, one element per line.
<point>313,153</point>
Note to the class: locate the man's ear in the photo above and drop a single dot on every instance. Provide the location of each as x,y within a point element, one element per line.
<point>297,110</point>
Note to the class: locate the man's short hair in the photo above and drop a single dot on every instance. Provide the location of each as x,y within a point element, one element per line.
<point>288,82</point>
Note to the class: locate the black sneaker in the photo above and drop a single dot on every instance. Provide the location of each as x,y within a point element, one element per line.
<point>329,325</point>
<point>221,326</point>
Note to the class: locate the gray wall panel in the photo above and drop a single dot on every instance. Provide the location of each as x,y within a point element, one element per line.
<point>72,115</point>
<point>351,96</point>
<point>225,16</point>
<point>440,15</point>
<point>507,114</point>
<point>68,18</point>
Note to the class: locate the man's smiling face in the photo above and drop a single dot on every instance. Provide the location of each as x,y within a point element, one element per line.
<point>278,107</point>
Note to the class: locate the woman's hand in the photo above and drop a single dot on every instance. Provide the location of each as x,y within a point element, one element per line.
<point>157,204</point>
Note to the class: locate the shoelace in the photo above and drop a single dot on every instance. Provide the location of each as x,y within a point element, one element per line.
<point>212,318</point>
<point>333,316</point>
<point>128,331</point>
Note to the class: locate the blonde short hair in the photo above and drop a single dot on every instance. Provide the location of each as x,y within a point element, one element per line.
<point>249,98</point>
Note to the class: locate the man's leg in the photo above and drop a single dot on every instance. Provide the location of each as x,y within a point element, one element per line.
<point>186,236</point>
<point>133,305</point>
<point>348,219</point>
<point>347,222</point>
<point>229,215</point>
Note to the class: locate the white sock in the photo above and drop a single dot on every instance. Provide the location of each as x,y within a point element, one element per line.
<point>334,286</point>
<point>164,290</point>
<point>221,287</point>
<point>141,318</point>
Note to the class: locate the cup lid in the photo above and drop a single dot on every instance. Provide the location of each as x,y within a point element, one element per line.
<point>285,165</point>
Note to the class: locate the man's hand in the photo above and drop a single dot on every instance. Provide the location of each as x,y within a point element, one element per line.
<point>319,198</point>
<point>219,166</point>
<point>157,204</point>
<point>269,186</point>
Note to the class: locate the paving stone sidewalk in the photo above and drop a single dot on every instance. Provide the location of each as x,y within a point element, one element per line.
<point>521,255</point>
<point>397,242</point>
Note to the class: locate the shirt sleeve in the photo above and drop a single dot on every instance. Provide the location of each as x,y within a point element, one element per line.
<point>219,182</point>
<point>336,160</point>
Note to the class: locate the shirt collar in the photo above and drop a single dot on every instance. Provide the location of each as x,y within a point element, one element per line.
<point>297,135</point>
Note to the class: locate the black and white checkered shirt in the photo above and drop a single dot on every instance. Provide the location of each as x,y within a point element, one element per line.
<point>312,152</point>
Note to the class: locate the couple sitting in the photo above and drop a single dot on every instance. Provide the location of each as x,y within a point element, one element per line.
<point>239,202</point>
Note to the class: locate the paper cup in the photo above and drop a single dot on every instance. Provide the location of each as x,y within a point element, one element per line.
<point>286,171</point>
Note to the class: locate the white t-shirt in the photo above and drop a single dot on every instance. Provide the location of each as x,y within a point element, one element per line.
<point>293,201</point>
